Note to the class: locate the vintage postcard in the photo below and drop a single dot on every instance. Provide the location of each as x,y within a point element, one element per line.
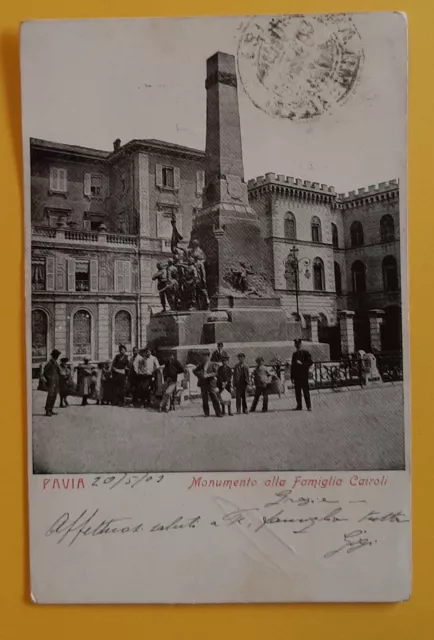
<point>217,309</point>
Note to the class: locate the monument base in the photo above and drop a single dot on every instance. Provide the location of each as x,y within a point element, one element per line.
<point>270,351</point>
<point>227,326</point>
<point>265,332</point>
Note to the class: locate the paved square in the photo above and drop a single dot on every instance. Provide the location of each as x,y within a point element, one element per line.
<point>357,429</point>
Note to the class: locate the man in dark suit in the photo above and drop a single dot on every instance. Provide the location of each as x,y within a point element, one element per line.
<point>219,354</point>
<point>300,365</point>
<point>52,379</point>
<point>206,373</point>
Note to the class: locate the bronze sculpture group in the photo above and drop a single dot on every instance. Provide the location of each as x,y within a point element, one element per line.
<point>181,281</point>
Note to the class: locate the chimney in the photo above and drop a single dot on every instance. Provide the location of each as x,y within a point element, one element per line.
<point>117,144</point>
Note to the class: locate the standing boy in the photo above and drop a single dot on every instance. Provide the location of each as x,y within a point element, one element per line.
<point>207,382</point>
<point>262,378</point>
<point>224,384</point>
<point>241,382</point>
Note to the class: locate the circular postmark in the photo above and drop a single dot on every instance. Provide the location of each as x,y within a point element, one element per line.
<point>297,66</point>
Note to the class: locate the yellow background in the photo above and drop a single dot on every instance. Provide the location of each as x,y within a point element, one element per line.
<point>19,618</point>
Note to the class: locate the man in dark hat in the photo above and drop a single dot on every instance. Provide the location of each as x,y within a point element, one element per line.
<point>300,365</point>
<point>52,379</point>
<point>206,372</point>
<point>219,353</point>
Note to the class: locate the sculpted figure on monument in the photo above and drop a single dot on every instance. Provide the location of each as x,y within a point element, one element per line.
<point>161,277</point>
<point>202,298</point>
<point>239,279</point>
<point>191,281</point>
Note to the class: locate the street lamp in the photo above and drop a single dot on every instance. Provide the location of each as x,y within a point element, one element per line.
<point>293,261</point>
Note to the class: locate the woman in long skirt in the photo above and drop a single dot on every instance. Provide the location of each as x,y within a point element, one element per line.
<point>85,378</point>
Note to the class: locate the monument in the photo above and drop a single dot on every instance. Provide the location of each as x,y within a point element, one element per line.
<point>244,312</point>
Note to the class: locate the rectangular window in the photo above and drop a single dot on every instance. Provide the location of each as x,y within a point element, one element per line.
<point>93,185</point>
<point>96,186</point>
<point>122,276</point>
<point>315,233</point>
<point>168,177</point>
<point>58,180</point>
<point>82,275</point>
<point>91,225</point>
<point>38,275</point>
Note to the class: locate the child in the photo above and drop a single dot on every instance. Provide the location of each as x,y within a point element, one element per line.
<point>85,380</point>
<point>224,383</point>
<point>105,393</point>
<point>261,377</point>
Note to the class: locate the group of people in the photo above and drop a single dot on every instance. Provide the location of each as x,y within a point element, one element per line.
<point>218,382</point>
<point>137,374</point>
<point>181,281</point>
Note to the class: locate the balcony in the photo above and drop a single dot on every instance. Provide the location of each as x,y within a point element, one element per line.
<point>61,235</point>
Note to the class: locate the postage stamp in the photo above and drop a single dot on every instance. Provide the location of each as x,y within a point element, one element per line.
<point>299,67</point>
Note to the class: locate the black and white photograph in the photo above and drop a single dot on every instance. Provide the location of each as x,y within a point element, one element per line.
<point>217,244</point>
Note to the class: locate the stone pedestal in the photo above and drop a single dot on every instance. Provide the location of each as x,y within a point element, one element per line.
<point>375,321</point>
<point>346,322</point>
<point>200,328</point>
<point>227,227</point>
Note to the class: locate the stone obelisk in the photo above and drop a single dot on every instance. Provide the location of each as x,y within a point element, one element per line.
<point>227,227</point>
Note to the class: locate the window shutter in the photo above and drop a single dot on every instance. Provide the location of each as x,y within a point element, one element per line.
<point>71,274</point>
<point>49,277</point>
<point>159,175</point>
<point>119,276</point>
<point>86,225</point>
<point>94,275</point>
<point>200,182</point>
<point>87,184</point>
<point>60,280</point>
<point>177,178</point>
<point>105,187</point>
<point>62,180</point>
<point>54,178</point>
<point>127,276</point>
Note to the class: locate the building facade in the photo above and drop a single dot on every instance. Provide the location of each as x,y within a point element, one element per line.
<point>102,220</point>
<point>100,223</point>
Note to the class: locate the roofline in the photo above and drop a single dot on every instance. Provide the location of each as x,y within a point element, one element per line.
<point>157,146</point>
<point>319,188</point>
<point>70,149</point>
<point>150,145</point>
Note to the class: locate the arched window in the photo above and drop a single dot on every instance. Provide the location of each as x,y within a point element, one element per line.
<point>359,277</point>
<point>82,333</point>
<point>318,275</point>
<point>290,230</point>
<point>387,228</point>
<point>315,226</point>
<point>39,335</point>
<point>335,237</point>
<point>123,329</point>
<point>338,279</point>
<point>356,232</point>
<point>390,274</point>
